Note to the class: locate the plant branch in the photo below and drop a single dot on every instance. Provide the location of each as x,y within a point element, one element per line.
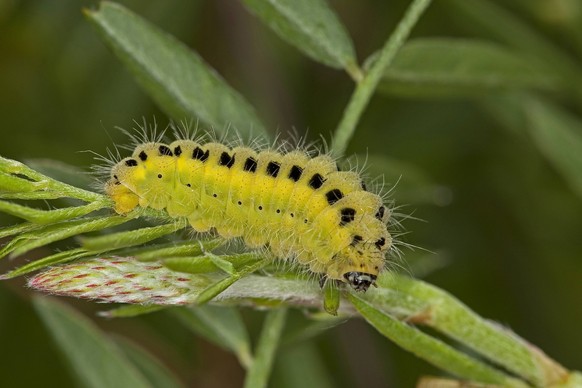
<point>366,87</point>
<point>258,374</point>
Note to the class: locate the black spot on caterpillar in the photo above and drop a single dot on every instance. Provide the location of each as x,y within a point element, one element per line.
<point>347,215</point>
<point>273,169</point>
<point>250,165</point>
<point>299,206</point>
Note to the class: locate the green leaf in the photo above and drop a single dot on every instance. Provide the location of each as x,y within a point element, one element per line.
<point>96,361</point>
<point>558,134</point>
<point>193,265</point>
<point>129,238</point>
<point>63,172</point>
<point>173,249</point>
<point>10,183</point>
<point>157,373</point>
<point>180,82</point>
<point>428,348</point>
<point>296,362</point>
<point>221,325</point>
<point>437,67</point>
<point>40,216</point>
<point>57,232</point>
<point>17,229</point>
<point>425,304</point>
<point>24,182</point>
<point>493,20</point>
<point>315,326</point>
<point>312,27</point>
<point>204,263</point>
<point>56,258</point>
<point>130,311</point>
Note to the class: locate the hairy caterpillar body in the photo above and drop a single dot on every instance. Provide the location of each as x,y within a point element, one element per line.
<point>298,206</point>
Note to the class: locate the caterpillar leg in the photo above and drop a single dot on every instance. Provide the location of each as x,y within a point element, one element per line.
<point>331,294</point>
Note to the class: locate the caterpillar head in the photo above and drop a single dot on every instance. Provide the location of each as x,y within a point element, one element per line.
<point>360,281</point>
<point>370,242</point>
<point>362,259</point>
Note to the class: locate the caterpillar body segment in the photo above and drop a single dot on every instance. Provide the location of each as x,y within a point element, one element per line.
<point>299,207</point>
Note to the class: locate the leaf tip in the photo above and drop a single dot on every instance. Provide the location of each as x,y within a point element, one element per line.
<point>89,13</point>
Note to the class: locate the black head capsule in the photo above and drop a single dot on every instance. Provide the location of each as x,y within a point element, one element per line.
<point>360,281</point>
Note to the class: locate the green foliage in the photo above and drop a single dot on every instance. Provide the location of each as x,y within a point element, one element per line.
<point>173,75</point>
<point>453,67</point>
<point>312,27</point>
<point>94,358</point>
<point>516,74</point>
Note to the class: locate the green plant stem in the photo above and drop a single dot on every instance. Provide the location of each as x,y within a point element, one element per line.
<point>369,82</point>
<point>258,374</point>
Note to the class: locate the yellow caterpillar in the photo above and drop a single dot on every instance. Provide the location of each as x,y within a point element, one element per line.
<point>298,206</point>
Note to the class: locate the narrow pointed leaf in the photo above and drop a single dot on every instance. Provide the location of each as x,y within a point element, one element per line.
<point>558,134</point>
<point>57,258</point>
<point>430,349</point>
<point>63,172</point>
<point>311,26</point>
<point>436,67</point>
<point>60,231</point>
<point>155,372</point>
<point>174,249</point>
<point>17,229</point>
<point>94,358</point>
<point>490,18</point>
<point>221,325</point>
<point>305,359</point>
<point>41,216</point>
<point>174,76</point>
<point>128,238</point>
<point>204,264</point>
<point>130,311</point>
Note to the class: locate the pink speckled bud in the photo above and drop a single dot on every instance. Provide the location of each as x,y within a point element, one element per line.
<point>121,280</point>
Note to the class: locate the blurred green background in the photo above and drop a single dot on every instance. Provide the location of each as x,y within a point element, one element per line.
<point>505,225</point>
